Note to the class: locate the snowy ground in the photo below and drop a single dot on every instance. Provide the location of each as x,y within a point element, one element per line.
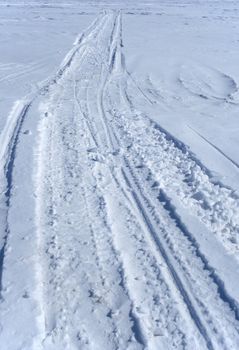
<point>119,203</point>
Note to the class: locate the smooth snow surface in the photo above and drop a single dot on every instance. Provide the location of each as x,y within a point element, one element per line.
<point>119,170</point>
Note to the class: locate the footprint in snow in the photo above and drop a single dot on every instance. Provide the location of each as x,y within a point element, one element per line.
<point>27,132</point>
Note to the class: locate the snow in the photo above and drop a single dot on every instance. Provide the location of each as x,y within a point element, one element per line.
<point>119,205</point>
<point>42,36</point>
<point>187,66</point>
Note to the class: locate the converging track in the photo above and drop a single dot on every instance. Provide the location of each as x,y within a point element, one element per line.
<point>115,266</point>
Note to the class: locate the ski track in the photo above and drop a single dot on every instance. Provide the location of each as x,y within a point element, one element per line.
<point>182,174</point>
<point>116,266</point>
<point>215,147</point>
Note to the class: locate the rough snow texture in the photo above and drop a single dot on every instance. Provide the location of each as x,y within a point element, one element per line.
<point>116,233</point>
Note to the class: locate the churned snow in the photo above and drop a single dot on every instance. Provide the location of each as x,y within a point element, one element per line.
<point>119,173</point>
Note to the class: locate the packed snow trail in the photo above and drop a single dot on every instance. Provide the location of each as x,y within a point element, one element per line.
<point>105,298</point>
<point>116,266</point>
